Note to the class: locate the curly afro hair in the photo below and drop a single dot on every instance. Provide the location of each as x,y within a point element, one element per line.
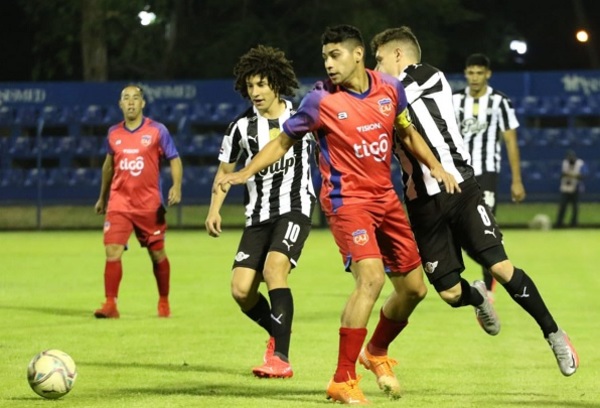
<point>269,63</point>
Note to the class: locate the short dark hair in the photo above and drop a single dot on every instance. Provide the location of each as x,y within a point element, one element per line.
<point>267,62</point>
<point>402,34</point>
<point>341,33</point>
<point>478,59</point>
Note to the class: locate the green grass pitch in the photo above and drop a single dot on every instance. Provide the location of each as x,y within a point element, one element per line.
<point>50,283</point>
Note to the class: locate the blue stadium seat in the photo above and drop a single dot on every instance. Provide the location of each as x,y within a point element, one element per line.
<point>7,115</point>
<point>22,146</point>
<point>27,116</point>
<point>11,177</point>
<point>32,176</point>
<point>587,137</point>
<point>85,176</point>
<point>89,146</point>
<point>58,176</point>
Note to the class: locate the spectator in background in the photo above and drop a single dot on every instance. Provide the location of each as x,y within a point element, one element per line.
<point>571,184</point>
<point>131,197</point>
<point>279,202</point>
<point>485,116</point>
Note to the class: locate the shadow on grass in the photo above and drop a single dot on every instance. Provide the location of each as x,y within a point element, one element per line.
<point>275,390</point>
<point>55,311</point>
<point>201,368</point>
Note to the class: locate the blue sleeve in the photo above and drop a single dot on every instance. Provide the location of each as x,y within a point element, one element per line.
<point>306,119</point>
<point>166,143</point>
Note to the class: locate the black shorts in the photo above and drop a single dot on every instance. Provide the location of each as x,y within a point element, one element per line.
<point>446,223</point>
<point>286,234</point>
<point>488,182</point>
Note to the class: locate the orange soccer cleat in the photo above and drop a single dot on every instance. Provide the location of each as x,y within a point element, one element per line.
<point>270,349</point>
<point>163,308</point>
<point>381,366</point>
<point>107,311</point>
<point>347,392</point>
<point>274,367</point>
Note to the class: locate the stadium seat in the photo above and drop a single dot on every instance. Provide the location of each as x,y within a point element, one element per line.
<point>27,116</point>
<point>85,176</point>
<point>7,115</point>
<point>89,146</point>
<point>587,137</point>
<point>11,177</point>
<point>21,147</point>
<point>32,176</point>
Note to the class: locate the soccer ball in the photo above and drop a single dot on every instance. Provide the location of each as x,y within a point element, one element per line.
<point>51,374</point>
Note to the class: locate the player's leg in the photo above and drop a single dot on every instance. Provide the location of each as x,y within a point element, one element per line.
<point>150,228</point>
<point>401,258</point>
<point>245,280</point>
<point>117,229</point>
<point>438,223</point>
<point>562,209</point>
<point>288,236</point>
<point>354,231</point>
<point>488,182</point>
<point>524,292</point>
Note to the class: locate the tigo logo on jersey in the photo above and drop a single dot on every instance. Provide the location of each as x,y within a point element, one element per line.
<point>135,167</point>
<point>360,237</point>
<point>385,106</point>
<point>377,149</point>
<point>146,140</point>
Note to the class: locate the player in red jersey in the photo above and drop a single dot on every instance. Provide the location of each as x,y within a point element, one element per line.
<point>131,198</point>
<point>353,116</point>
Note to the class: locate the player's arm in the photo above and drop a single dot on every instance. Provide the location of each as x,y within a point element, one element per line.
<point>176,176</point>
<point>107,175</point>
<point>512,151</point>
<point>213,218</point>
<point>273,151</point>
<point>412,140</point>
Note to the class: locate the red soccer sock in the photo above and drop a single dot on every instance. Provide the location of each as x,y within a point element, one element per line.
<point>351,341</point>
<point>113,272</point>
<point>162,273</point>
<point>385,332</point>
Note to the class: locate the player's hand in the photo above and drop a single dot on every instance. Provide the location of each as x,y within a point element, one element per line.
<point>517,191</point>
<point>174,196</point>
<point>225,181</point>
<point>100,207</point>
<point>213,225</point>
<point>442,176</point>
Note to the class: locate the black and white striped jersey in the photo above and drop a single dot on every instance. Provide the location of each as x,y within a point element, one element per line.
<point>284,186</point>
<point>482,121</point>
<point>430,105</point>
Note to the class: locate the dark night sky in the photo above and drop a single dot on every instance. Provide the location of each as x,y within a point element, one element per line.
<point>549,26</point>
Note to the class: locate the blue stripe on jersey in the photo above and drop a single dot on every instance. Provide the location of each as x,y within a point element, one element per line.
<point>335,195</point>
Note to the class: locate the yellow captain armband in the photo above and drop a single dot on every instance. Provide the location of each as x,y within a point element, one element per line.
<point>404,119</point>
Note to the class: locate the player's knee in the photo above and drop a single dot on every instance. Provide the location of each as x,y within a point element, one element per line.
<point>114,252</point>
<point>451,296</point>
<point>371,283</point>
<point>502,271</point>
<point>240,294</point>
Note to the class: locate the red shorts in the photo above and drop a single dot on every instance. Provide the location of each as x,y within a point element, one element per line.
<point>149,227</point>
<point>376,229</point>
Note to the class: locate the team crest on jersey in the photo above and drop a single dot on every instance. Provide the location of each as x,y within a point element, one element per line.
<point>385,106</point>
<point>273,133</point>
<point>106,226</point>
<point>146,140</point>
<point>360,237</point>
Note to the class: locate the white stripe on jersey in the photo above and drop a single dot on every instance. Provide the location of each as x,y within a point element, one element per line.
<point>284,186</point>
<point>430,102</point>
<point>482,134</point>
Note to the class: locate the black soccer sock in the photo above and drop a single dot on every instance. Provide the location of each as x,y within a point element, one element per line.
<point>282,313</point>
<point>523,291</point>
<point>488,279</point>
<point>469,295</point>
<point>261,314</point>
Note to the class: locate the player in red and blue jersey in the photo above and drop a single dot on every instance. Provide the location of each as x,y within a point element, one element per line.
<point>131,196</point>
<point>353,116</point>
